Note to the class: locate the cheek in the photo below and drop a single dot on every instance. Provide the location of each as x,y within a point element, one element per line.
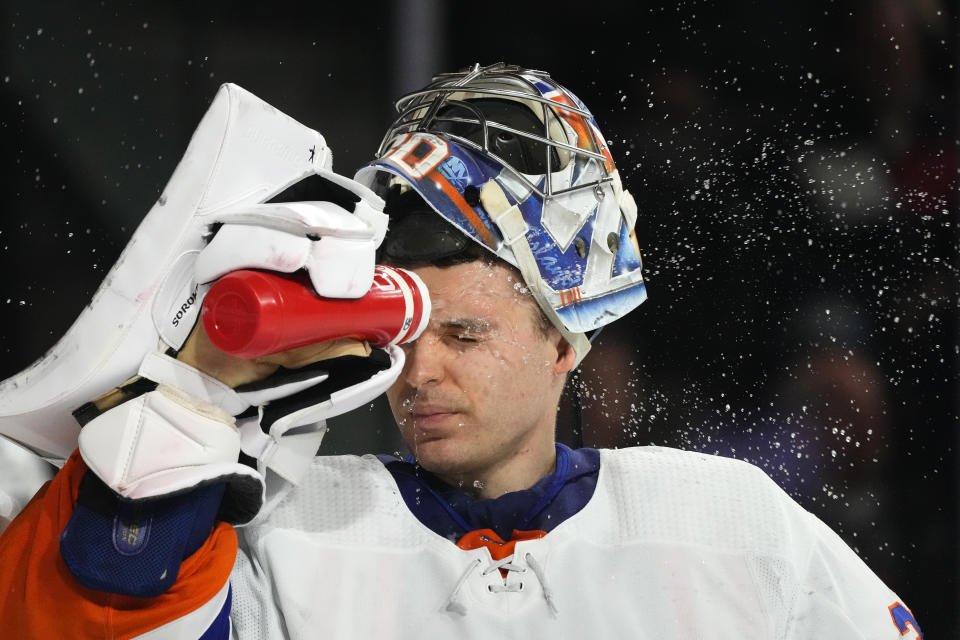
<point>502,379</point>
<point>533,376</point>
<point>529,361</point>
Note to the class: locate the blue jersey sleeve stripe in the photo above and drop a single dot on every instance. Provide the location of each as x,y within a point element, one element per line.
<point>219,629</point>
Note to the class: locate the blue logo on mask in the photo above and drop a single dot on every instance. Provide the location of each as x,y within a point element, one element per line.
<point>455,171</point>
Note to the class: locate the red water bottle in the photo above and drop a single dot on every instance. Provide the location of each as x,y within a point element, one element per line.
<point>254,313</point>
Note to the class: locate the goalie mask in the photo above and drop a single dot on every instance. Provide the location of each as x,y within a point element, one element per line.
<point>516,163</point>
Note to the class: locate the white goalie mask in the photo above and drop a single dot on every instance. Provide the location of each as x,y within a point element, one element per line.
<point>517,163</point>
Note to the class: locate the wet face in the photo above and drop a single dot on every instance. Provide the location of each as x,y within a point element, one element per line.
<point>476,402</point>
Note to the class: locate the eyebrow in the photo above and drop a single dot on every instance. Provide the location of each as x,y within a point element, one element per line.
<point>472,325</point>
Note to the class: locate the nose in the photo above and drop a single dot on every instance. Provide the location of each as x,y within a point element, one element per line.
<point>424,361</point>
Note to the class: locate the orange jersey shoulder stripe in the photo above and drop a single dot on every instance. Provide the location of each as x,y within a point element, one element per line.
<point>39,597</point>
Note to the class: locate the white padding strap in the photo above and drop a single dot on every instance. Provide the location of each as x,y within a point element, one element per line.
<point>511,224</point>
<point>508,219</point>
<point>171,372</point>
<point>160,443</point>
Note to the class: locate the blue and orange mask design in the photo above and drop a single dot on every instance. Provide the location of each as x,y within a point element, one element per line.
<point>543,148</point>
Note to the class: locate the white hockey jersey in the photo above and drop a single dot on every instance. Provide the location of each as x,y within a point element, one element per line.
<point>672,545</point>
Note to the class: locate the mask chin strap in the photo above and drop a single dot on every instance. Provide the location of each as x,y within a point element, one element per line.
<point>513,228</point>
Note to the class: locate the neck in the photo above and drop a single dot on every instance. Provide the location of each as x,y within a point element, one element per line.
<point>520,471</point>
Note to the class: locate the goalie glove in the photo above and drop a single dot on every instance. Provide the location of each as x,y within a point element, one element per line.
<point>230,204</point>
<point>244,153</point>
<point>190,416</point>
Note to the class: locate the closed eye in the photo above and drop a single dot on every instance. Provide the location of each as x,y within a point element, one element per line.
<point>467,331</point>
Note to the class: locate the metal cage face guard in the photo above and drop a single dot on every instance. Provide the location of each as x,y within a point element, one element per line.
<point>568,128</point>
<point>570,228</point>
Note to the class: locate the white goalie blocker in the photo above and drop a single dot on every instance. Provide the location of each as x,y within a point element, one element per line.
<point>243,153</point>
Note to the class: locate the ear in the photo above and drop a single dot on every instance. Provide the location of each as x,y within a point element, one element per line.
<point>566,356</point>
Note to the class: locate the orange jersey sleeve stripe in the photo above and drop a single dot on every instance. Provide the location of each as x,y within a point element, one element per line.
<point>39,598</point>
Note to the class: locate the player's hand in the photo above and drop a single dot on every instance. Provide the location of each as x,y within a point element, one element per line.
<point>200,353</point>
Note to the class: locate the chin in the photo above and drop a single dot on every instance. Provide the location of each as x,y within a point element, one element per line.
<point>439,456</point>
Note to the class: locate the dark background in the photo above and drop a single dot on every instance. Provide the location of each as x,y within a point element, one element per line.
<point>796,173</point>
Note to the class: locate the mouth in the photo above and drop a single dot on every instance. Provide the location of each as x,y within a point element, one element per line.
<point>435,419</point>
<point>431,416</point>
